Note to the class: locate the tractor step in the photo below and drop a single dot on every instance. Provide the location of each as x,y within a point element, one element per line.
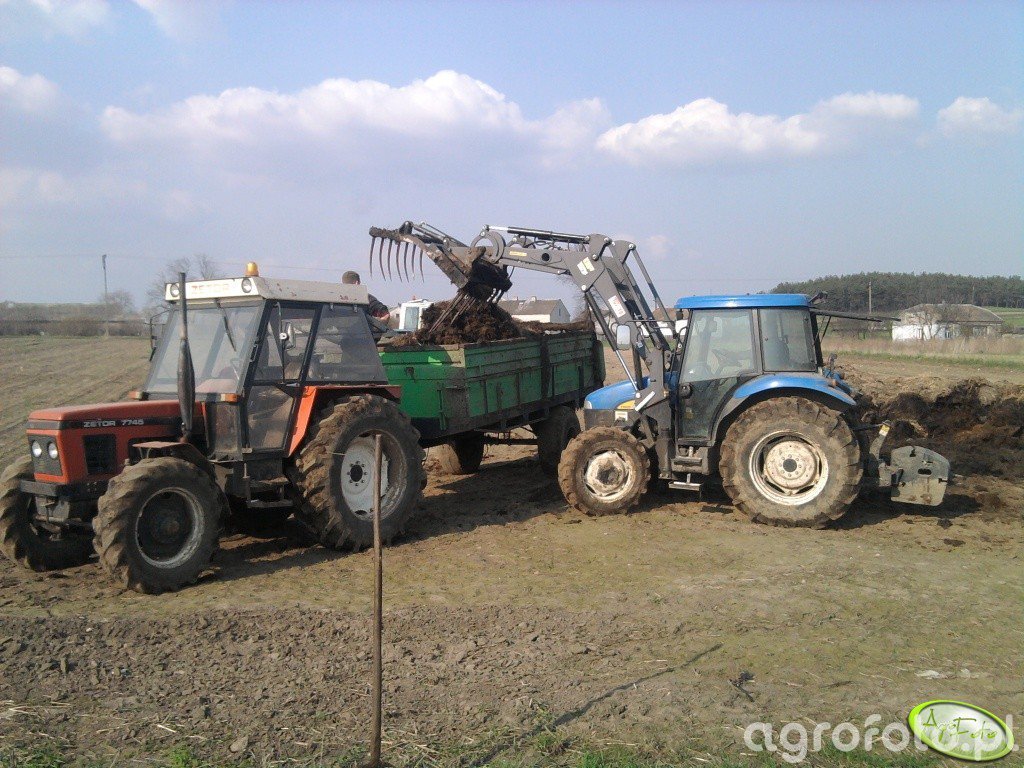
<point>685,485</point>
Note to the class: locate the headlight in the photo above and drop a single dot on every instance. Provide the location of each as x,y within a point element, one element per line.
<point>37,449</point>
<point>51,451</point>
<point>246,285</point>
<point>587,405</point>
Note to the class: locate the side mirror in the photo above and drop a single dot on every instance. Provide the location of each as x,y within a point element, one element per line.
<point>622,337</point>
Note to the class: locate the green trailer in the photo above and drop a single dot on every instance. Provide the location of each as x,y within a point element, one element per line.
<point>461,397</point>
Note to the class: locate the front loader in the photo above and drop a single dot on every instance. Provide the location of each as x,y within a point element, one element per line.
<point>263,396</point>
<point>726,386</point>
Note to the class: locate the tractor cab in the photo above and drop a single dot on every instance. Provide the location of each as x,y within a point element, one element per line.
<point>256,346</point>
<point>744,344</point>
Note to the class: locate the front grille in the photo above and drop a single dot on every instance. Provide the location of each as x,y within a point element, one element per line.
<point>100,454</point>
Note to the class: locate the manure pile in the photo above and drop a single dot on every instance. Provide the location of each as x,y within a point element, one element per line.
<point>977,424</point>
<point>479,321</point>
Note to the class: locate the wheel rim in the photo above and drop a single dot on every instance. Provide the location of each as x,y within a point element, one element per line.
<point>608,475</point>
<point>169,527</point>
<point>356,474</point>
<point>788,469</point>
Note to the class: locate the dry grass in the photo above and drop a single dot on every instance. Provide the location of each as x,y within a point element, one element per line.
<point>995,352</point>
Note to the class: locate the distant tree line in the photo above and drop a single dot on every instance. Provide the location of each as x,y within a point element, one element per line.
<point>896,291</point>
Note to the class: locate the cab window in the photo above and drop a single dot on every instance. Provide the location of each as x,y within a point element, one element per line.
<point>284,344</point>
<point>719,345</point>
<point>787,340</point>
<point>344,349</point>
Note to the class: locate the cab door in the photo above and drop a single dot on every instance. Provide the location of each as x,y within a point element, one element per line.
<point>720,354</point>
<point>279,370</point>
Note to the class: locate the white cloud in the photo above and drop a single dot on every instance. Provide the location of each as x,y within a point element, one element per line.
<point>978,116</point>
<point>355,122</point>
<point>32,94</point>
<point>74,18</point>
<point>706,131</point>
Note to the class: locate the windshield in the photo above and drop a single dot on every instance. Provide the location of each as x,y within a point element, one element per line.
<point>220,339</point>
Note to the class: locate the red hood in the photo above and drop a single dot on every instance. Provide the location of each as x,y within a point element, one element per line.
<point>129,409</point>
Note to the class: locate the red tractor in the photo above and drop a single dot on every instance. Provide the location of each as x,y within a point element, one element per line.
<point>263,396</point>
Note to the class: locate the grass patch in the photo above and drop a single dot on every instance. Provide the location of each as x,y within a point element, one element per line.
<point>995,361</point>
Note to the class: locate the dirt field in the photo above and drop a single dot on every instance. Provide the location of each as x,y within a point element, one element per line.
<point>518,631</point>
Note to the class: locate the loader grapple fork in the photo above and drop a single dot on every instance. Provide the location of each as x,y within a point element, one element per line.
<point>470,268</point>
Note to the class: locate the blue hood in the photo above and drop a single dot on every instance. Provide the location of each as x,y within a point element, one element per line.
<point>606,398</point>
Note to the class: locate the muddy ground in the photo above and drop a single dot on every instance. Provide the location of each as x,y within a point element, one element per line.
<point>509,619</point>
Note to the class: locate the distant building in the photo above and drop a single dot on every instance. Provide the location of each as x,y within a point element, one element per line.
<point>945,321</point>
<point>536,310</point>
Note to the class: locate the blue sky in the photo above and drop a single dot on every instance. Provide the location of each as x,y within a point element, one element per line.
<point>739,144</point>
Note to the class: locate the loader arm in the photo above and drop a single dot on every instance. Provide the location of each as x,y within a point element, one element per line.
<point>597,264</point>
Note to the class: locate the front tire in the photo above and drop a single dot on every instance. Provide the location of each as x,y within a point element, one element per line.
<point>791,462</point>
<point>25,542</point>
<point>334,471</point>
<point>603,471</point>
<point>158,524</point>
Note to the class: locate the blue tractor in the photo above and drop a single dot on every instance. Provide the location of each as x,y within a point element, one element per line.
<point>729,387</point>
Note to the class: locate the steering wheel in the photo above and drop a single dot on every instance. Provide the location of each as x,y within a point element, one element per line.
<point>725,358</point>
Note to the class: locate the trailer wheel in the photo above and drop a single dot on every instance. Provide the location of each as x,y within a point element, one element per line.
<point>462,455</point>
<point>22,540</point>
<point>603,471</point>
<point>333,474</point>
<point>554,434</point>
<point>791,462</point>
<point>158,524</point>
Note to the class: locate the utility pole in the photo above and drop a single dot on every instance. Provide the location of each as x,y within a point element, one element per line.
<point>869,298</point>
<point>106,302</point>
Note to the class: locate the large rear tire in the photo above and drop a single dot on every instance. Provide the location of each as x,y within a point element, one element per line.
<point>603,471</point>
<point>461,455</point>
<point>158,524</point>
<point>23,540</point>
<point>791,462</point>
<point>554,435</point>
<point>333,473</point>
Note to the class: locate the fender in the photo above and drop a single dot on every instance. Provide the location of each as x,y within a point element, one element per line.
<point>814,386</point>
<point>313,398</point>
<point>175,449</point>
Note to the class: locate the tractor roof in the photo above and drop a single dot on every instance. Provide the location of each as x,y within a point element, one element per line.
<point>269,288</point>
<point>739,302</point>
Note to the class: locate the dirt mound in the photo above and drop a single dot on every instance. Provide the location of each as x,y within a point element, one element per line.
<point>978,424</point>
<point>479,321</point>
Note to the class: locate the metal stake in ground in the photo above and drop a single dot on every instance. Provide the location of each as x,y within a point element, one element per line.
<point>378,599</point>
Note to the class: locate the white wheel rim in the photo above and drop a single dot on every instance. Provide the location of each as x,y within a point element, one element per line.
<point>788,469</point>
<point>150,533</point>
<point>608,475</point>
<point>356,479</point>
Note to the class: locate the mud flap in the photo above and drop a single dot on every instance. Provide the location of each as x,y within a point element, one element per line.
<point>918,475</point>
